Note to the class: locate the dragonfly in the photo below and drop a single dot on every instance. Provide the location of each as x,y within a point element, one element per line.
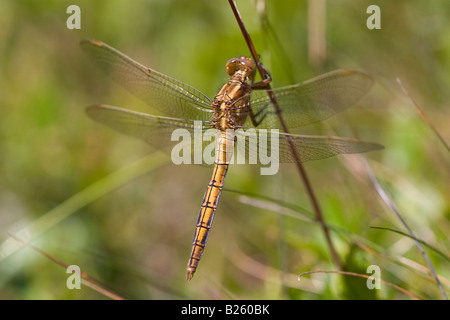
<point>240,104</point>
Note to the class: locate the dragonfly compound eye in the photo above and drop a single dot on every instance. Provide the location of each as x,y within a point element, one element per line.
<point>241,64</point>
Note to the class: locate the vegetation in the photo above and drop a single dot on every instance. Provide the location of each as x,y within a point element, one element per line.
<point>121,211</point>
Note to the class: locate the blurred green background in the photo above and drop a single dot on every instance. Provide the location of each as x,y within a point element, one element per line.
<point>123,213</point>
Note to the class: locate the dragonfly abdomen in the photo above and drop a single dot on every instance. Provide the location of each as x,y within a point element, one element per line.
<point>224,151</point>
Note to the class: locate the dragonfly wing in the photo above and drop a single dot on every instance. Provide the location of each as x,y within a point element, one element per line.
<point>160,132</point>
<point>310,101</point>
<point>257,144</point>
<point>170,96</point>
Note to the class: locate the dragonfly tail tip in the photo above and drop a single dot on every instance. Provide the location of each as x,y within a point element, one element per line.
<point>189,275</point>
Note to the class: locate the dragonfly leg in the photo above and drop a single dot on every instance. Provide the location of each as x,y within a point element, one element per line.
<point>267,79</point>
<point>261,85</point>
<point>258,118</point>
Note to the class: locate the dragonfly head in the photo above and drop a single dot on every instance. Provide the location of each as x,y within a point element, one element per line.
<point>242,65</point>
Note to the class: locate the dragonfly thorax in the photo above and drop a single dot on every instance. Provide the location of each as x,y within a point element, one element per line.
<point>231,102</point>
<point>231,105</point>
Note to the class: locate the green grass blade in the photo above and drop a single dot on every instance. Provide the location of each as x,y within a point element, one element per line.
<point>81,199</point>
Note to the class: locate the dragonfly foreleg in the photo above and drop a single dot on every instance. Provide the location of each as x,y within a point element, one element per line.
<point>267,79</point>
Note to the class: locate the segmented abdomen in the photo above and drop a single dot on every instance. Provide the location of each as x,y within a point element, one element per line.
<point>224,151</point>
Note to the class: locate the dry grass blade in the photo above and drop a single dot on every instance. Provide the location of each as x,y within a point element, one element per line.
<point>264,272</point>
<point>391,205</point>
<point>79,200</point>
<point>87,280</point>
<point>354,274</point>
<point>317,44</point>
<point>418,269</point>
<point>422,114</point>
<point>437,251</point>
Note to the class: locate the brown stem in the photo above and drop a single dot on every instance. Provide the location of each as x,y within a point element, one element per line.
<point>299,165</point>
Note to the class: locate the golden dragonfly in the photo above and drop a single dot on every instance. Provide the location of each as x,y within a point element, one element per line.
<point>235,107</point>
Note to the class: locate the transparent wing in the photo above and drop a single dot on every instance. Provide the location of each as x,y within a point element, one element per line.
<point>160,132</point>
<point>256,143</point>
<point>310,101</point>
<point>170,96</point>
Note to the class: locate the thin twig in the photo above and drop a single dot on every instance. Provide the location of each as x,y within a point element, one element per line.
<point>284,127</point>
<point>87,280</point>
<point>422,114</point>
